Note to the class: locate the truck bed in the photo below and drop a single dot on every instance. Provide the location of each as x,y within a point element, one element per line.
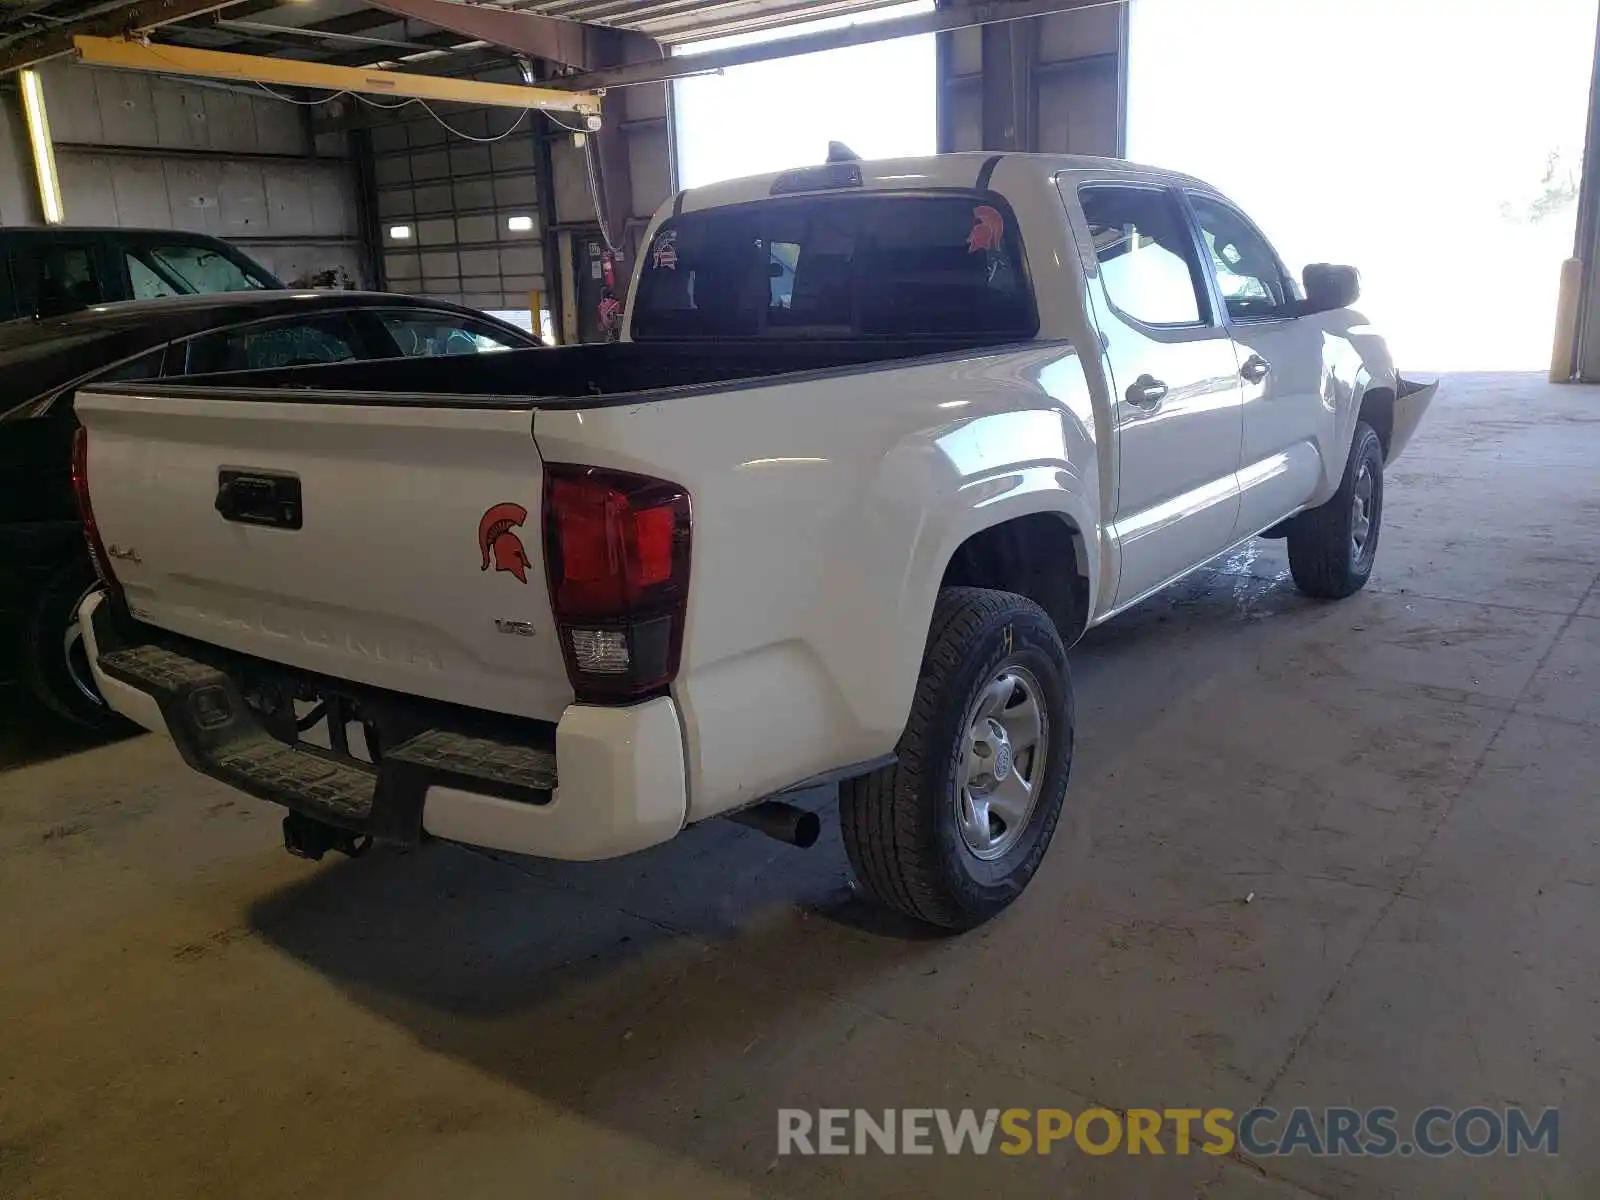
<point>618,371</point>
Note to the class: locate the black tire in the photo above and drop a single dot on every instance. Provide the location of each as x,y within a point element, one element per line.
<point>55,671</point>
<point>901,825</point>
<point>1326,556</point>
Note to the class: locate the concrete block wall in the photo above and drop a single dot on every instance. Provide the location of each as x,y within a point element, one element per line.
<point>144,151</point>
<point>19,196</point>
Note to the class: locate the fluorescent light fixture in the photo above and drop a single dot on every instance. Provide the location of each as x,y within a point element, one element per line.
<point>519,224</point>
<point>44,150</point>
<point>400,233</point>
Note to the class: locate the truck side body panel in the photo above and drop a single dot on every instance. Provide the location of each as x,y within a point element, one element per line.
<point>824,519</point>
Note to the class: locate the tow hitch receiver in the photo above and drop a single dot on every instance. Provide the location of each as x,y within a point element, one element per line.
<point>307,837</point>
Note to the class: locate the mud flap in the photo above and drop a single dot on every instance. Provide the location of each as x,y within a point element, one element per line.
<point>1411,402</point>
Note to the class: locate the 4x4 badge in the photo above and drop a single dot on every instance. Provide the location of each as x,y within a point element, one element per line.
<point>499,544</point>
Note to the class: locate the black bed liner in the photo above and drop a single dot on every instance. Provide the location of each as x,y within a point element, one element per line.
<point>587,372</point>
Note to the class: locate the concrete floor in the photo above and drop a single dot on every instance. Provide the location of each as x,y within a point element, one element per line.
<point>1405,781</point>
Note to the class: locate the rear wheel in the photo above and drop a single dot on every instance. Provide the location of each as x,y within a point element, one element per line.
<point>953,832</point>
<point>1332,547</point>
<point>55,661</point>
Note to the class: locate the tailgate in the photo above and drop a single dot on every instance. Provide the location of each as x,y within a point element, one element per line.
<point>393,545</point>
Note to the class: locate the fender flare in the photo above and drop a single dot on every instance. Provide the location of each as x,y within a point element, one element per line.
<point>878,686</point>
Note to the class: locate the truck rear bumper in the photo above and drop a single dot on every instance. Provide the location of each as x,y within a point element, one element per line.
<point>621,789</point>
<point>620,785</point>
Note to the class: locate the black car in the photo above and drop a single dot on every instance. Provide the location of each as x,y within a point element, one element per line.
<point>62,267</point>
<point>44,566</point>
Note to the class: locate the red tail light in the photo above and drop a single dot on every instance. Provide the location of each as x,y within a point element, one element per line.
<point>80,488</point>
<point>617,559</point>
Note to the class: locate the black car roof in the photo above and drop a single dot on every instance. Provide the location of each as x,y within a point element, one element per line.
<point>40,355</point>
<point>179,316</point>
<point>114,232</point>
<point>58,232</point>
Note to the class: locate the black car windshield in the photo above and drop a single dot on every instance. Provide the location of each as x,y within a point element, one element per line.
<point>190,268</point>
<point>887,264</point>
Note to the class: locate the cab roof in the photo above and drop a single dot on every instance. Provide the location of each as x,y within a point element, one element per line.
<point>964,169</point>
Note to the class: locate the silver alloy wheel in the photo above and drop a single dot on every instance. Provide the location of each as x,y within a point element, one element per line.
<point>1361,509</point>
<point>1006,753</point>
<point>76,653</point>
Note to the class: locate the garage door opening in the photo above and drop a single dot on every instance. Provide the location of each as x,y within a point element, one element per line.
<point>879,99</point>
<point>1435,144</point>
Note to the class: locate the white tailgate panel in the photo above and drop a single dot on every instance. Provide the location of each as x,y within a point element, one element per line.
<point>386,581</point>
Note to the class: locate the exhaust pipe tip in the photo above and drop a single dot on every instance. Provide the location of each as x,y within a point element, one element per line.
<point>785,822</point>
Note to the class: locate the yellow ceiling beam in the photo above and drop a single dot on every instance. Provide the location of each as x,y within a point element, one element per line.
<point>251,68</point>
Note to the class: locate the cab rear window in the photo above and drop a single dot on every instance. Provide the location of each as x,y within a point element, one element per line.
<point>863,265</point>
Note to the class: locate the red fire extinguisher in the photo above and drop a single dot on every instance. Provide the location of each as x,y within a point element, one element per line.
<point>610,307</point>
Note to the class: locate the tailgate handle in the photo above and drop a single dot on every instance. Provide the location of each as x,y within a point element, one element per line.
<point>259,498</point>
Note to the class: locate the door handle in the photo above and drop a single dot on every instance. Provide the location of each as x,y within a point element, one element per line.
<point>1255,369</point>
<point>259,498</point>
<point>1146,392</point>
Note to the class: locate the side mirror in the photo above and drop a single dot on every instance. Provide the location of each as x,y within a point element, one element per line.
<point>1329,287</point>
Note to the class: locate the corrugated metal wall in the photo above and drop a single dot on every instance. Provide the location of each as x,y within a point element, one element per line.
<point>1577,352</point>
<point>1070,73</point>
<point>142,151</point>
<point>643,114</point>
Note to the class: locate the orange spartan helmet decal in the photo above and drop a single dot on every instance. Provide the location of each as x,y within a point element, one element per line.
<point>497,541</point>
<point>988,228</point>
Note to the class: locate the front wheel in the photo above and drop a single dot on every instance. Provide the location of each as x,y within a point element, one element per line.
<point>953,832</point>
<point>1332,547</point>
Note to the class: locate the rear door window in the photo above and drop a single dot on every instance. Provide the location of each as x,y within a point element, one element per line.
<point>52,276</point>
<point>146,366</point>
<point>863,265</point>
<point>425,334</point>
<point>298,341</point>
<point>1146,254</point>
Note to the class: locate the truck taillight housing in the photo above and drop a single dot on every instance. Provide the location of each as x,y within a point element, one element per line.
<point>617,559</point>
<point>80,489</point>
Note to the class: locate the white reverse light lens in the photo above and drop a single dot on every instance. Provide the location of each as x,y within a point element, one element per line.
<point>601,651</point>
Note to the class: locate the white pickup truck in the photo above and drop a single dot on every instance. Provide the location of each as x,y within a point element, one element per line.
<point>880,442</point>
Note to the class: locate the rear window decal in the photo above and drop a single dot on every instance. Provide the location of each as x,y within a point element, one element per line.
<point>988,230</point>
<point>665,252</point>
